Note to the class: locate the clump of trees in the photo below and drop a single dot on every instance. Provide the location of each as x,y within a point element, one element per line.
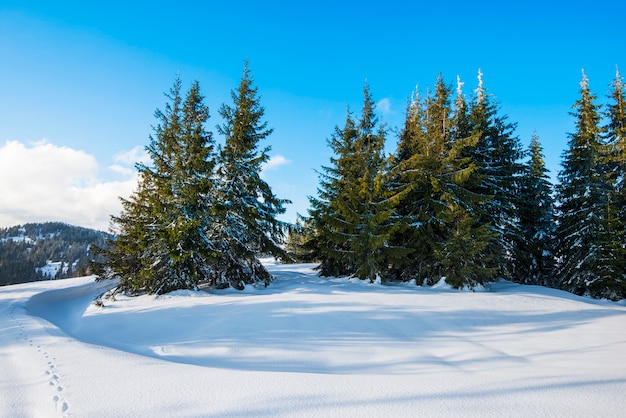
<point>461,199</point>
<point>201,214</point>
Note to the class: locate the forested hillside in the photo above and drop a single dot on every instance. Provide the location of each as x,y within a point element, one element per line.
<point>42,251</point>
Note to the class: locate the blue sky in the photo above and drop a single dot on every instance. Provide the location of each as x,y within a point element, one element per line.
<point>79,82</point>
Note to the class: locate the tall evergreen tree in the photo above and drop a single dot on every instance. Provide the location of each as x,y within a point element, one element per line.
<point>437,209</point>
<point>584,245</point>
<point>351,212</point>
<point>368,210</point>
<point>161,242</point>
<point>534,249</point>
<point>498,154</point>
<point>246,209</point>
<point>616,140</point>
<point>331,242</point>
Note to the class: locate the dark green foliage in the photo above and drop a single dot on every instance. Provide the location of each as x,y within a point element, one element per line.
<point>497,154</point>
<point>245,223</point>
<point>161,243</point>
<point>26,248</point>
<point>329,243</point>
<point>352,211</point>
<point>438,212</point>
<point>534,246</point>
<point>586,247</point>
<point>616,169</point>
<point>297,246</point>
<point>464,257</point>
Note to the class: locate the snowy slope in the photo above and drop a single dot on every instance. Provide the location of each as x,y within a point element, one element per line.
<point>310,346</point>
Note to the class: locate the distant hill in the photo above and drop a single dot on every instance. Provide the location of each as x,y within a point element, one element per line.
<point>44,251</point>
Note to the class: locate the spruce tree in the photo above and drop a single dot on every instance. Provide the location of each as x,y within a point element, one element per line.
<point>331,242</point>
<point>437,209</point>
<point>497,154</point>
<point>585,247</point>
<point>616,162</point>
<point>368,210</point>
<point>351,213</point>
<point>534,248</point>
<point>161,242</point>
<point>408,176</point>
<point>246,209</point>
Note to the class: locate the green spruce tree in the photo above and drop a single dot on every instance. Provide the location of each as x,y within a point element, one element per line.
<point>438,211</point>
<point>351,213</point>
<point>331,239</point>
<point>246,209</point>
<point>534,248</point>
<point>497,154</point>
<point>585,247</point>
<point>616,162</point>
<point>161,242</point>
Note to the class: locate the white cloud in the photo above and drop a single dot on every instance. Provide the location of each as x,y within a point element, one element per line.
<point>274,162</point>
<point>45,182</point>
<point>384,106</point>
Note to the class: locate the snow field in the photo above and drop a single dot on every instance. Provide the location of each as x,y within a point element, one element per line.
<point>310,346</point>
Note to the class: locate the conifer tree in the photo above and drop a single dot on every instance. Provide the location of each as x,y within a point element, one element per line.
<point>536,218</point>
<point>616,161</point>
<point>299,237</point>
<point>369,209</point>
<point>584,244</point>
<point>246,208</point>
<point>437,208</point>
<point>351,213</point>
<point>161,242</point>
<point>331,242</point>
<point>408,176</point>
<point>497,155</point>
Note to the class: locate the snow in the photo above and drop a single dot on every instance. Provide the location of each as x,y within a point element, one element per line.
<point>310,346</point>
<point>51,268</point>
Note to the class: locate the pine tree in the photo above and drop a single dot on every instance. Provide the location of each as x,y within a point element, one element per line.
<point>437,209</point>
<point>497,154</point>
<point>298,238</point>
<point>331,243</point>
<point>161,242</point>
<point>616,162</point>
<point>535,253</point>
<point>246,208</point>
<point>351,213</point>
<point>585,247</point>
<point>368,211</point>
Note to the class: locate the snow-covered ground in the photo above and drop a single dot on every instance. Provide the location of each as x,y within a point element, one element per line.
<point>310,346</point>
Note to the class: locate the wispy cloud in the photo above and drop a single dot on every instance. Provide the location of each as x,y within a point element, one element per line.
<point>384,106</point>
<point>135,155</point>
<point>45,182</point>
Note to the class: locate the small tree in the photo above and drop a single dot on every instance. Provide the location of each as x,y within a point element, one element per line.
<point>331,240</point>
<point>535,252</point>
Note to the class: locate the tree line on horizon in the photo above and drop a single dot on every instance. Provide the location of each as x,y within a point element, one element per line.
<point>26,249</point>
<point>458,199</point>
